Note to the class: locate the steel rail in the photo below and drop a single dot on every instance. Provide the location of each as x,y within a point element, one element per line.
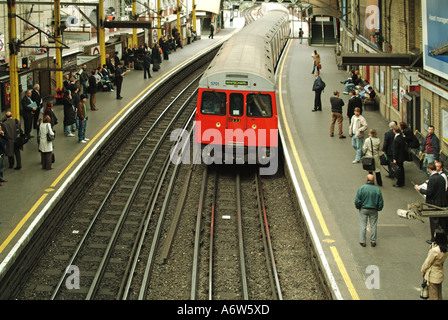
<point>269,251</point>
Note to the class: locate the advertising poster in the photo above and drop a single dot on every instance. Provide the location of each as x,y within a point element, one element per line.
<point>369,20</point>
<point>426,114</point>
<point>445,125</point>
<point>435,36</point>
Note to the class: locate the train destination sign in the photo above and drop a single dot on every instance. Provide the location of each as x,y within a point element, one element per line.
<point>237,82</point>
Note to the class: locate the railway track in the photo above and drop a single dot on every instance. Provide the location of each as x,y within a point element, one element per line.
<point>144,227</point>
<point>239,239</point>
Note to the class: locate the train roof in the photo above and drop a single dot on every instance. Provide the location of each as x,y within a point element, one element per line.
<point>246,57</point>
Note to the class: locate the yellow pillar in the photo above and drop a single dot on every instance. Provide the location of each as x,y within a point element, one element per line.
<point>13,69</point>
<point>101,34</point>
<point>179,8</point>
<point>134,30</point>
<point>194,15</point>
<point>159,24</point>
<point>58,38</point>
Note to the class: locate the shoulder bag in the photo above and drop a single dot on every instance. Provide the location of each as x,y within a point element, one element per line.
<point>50,137</point>
<point>368,164</point>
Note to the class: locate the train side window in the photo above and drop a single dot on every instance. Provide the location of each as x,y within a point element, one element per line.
<point>213,103</point>
<point>236,104</point>
<point>259,105</point>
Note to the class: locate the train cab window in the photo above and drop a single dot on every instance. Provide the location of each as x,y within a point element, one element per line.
<point>259,105</point>
<point>236,104</point>
<point>214,103</point>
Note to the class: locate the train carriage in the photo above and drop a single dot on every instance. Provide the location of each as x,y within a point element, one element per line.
<point>236,107</point>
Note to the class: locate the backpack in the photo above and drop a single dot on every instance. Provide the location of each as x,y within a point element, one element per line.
<point>323,84</point>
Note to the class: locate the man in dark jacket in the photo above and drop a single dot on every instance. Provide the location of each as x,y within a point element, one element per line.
<point>400,155</point>
<point>28,113</point>
<point>336,109</point>
<point>147,65</point>
<point>318,87</point>
<point>431,147</point>
<point>435,194</point>
<point>388,146</point>
<point>93,88</point>
<point>354,102</point>
<point>119,73</point>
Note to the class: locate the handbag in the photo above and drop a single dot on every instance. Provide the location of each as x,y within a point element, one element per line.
<point>50,137</point>
<point>368,164</point>
<point>384,161</point>
<point>424,293</point>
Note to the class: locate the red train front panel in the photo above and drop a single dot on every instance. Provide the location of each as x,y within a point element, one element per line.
<point>237,119</point>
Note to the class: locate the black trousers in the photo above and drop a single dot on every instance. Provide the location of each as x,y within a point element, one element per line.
<point>400,174</point>
<point>317,100</point>
<point>18,159</point>
<point>146,70</point>
<point>118,88</point>
<point>28,119</point>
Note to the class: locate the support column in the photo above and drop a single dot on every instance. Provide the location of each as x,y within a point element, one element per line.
<point>179,8</point>
<point>134,30</point>
<point>13,61</point>
<point>58,38</point>
<point>159,25</point>
<point>101,33</point>
<point>194,15</point>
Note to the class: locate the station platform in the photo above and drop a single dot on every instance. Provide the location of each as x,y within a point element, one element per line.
<point>321,169</point>
<point>31,191</point>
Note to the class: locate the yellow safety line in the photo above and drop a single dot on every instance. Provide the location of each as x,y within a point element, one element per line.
<point>84,150</point>
<point>22,222</point>
<point>344,273</point>
<point>310,192</point>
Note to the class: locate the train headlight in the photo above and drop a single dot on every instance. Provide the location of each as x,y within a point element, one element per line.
<point>218,124</point>
<point>254,126</point>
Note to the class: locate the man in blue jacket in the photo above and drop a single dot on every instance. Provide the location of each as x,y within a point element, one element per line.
<point>368,200</point>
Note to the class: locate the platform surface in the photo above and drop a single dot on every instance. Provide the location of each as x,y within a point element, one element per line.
<point>321,165</point>
<point>329,181</point>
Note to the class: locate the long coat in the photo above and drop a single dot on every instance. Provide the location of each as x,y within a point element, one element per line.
<point>433,265</point>
<point>435,191</point>
<point>69,112</point>
<point>367,150</point>
<point>10,127</point>
<point>44,144</point>
<point>400,149</point>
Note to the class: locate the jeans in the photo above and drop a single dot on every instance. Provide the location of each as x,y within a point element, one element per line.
<point>357,145</point>
<point>428,158</point>
<point>69,129</point>
<point>82,129</point>
<point>364,216</point>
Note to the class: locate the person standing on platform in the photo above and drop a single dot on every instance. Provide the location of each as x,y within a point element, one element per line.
<point>318,87</point>
<point>358,125</point>
<point>353,102</point>
<point>45,146</point>
<point>435,193</point>
<point>432,268</point>
<point>431,148</point>
<point>84,78</point>
<point>69,114</point>
<point>372,144</point>
<point>93,88</point>
<point>10,127</point>
<point>35,96</point>
<point>48,111</point>
<point>156,58</point>
<point>400,155</point>
<point>119,73</point>
<point>2,154</point>
<point>300,35</point>
<point>28,113</point>
<point>147,65</point>
<point>82,117</point>
<point>316,62</point>
<point>336,109</point>
<point>368,200</point>
<point>212,30</point>
<point>388,146</point>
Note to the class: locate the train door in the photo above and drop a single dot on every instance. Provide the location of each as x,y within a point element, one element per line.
<point>236,118</point>
<point>260,116</point>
